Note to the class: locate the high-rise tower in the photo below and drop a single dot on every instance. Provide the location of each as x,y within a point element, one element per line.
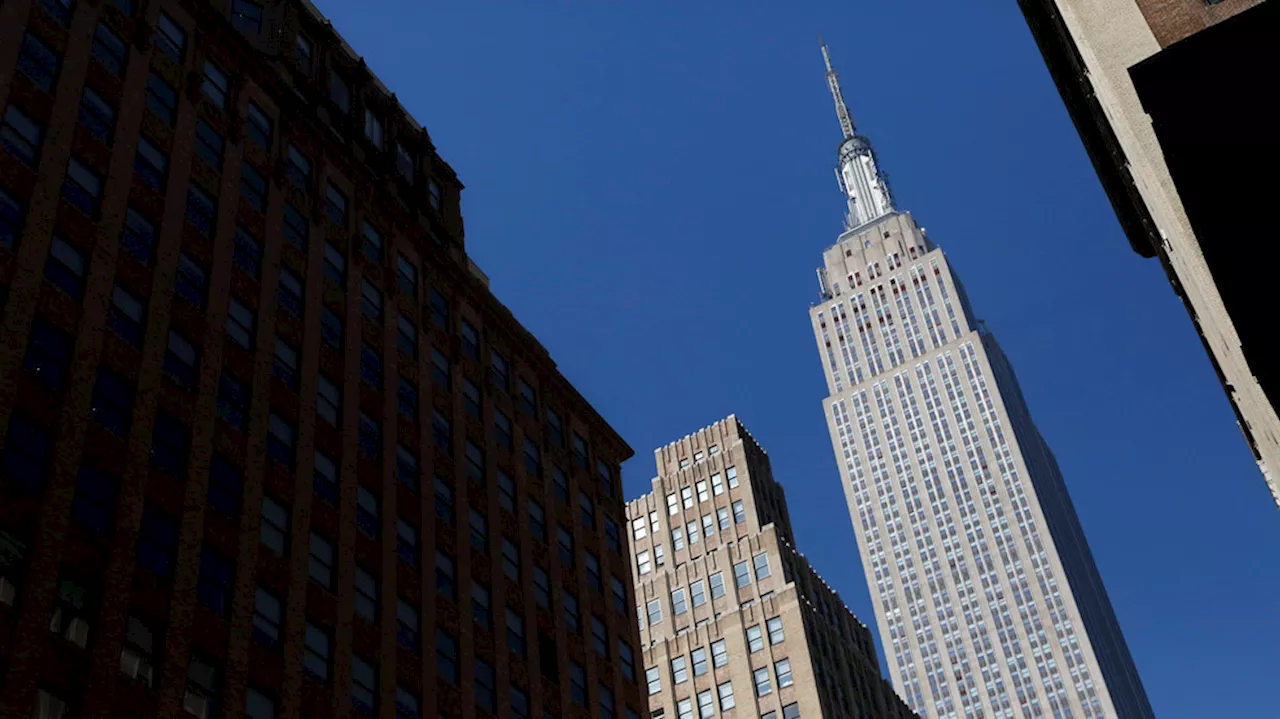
<point>987,597</point>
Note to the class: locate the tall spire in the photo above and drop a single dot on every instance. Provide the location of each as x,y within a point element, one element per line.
<point>833,81</point>
<point>864,185</point>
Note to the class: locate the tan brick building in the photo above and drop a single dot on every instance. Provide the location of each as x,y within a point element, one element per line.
<point>733,620</point>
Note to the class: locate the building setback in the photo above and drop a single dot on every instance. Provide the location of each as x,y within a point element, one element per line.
<point>271,448</point>
<point>1145,82</point>
<point>733,621</point>
<point>989,602</point>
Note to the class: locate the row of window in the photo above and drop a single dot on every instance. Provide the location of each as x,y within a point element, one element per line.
<point>680,667</point>
<point>691,531</point>
<point>698,591</point>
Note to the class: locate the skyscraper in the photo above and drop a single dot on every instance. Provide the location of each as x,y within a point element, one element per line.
<point>270,446</point>
<point>1145,83</point>
<point>987,597</point>
<point>733,617</point>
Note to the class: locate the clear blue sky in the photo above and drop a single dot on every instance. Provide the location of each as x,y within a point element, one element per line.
<point>650,188</point>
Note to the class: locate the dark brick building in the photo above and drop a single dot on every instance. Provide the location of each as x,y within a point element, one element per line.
<point>270,446</point>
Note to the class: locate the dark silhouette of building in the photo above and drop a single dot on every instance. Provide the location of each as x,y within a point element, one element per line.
<point>1171,100</point>
<point>270,446</point>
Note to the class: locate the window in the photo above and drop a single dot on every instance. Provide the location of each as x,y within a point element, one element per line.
<point>776,634</point>
<point>407,336</point>
<point>783,669</point>
<point>366,595</point>
<point>21,134</point>
<point>444,500</point>
<point>407,704</point>
<point>699,593</point>
<point>619,594</point>
<point>763,686</point>
<point>290,291</point>
<point>528,398</point>
<point>627,659</point>
<point>599,637</point>
<point>157,541</point>
<point>607,709</point>
<point>339,94</point>
<point>190,282</point>
<point>572,618</point>
<point>137,656</point>
<point>484,691</point>
<point>368,511</point>
<point>726,696</point>
<point>653,676</point>
<point>202,687</point>
<point>755,640</point>
<point>266,618</point>
<point>253,187</point>
<point>317,653</point>
<point>479,530</point>
<point>761,562</point>
<point>439,309</point>
<point>441,376</point>
<point>108,48</point>
<point>302,52</point>
<point>407,630</point>
<point>510,560</point>
<point>404,161</point>
<point>406,542</point>
<point>321,562</point>
<point>471,398</point>
<point>170,37</point>
<point>371,301</point>
<point>48,354</point>
<point>138,236</point>
<point>442,435</point>
<point>213,589</point>
<point>370,366</point>
<point>246,15</point>
<point>691,531</point>
<point>435,195</point>
<point>162,99</point>
<point>732,474</point>
<point>722,516</point>
<point>373,127</point>
<point>541,587</point>
<point>214,84</point>
<point>335,265</point>
<point>297,166</point>
<point>258,706</point>
<point>658,557</point>
<point>706,705</point>
<point>475,463</point>
<point>643,563</point>
<point>447,656</point>
<point>247,252</point>
<point>258,126</point>
<point>686,496</point>
<point>40,63</point>
<point>684,709</point>
<point>579,451</point>
<point>717,484</point>
<point>480,605</point>
<point>679,605</point>
<point>560,483</point>
<point>82,187</point>
<point>27,451</point>
<point>742,574</point>
<point>112,402</point>
<point>371,245</point>
<point>169,446</point>
<point>654,611</point>
<point>10,220</point>
<point>406,276</point>
<point>407,468</point>
<point>594,578</point>
<point>335,205</point>
<point>699,657</point>
<point>225,484</point>
<point>274,530</point>
<point>515,632</point>
<point>446,575</point>
<point>708,525</point>
<point>240,322</point>
<point>364,682</point>
<point>673,505</point>
<point>587,511</point>
<point>739,513</point>
<point>612,537</point>
<point>331,328</point>
<point>719,654</point>
<point>537,521</point>
<point>233,401</point>
<point>639,528</point>
<point>498,373</point>
<point>702,491</point>
<point>201,211</point>
<point>325,479</point>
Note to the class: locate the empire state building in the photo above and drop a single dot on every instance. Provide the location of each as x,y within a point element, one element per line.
<point>987,598</point>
